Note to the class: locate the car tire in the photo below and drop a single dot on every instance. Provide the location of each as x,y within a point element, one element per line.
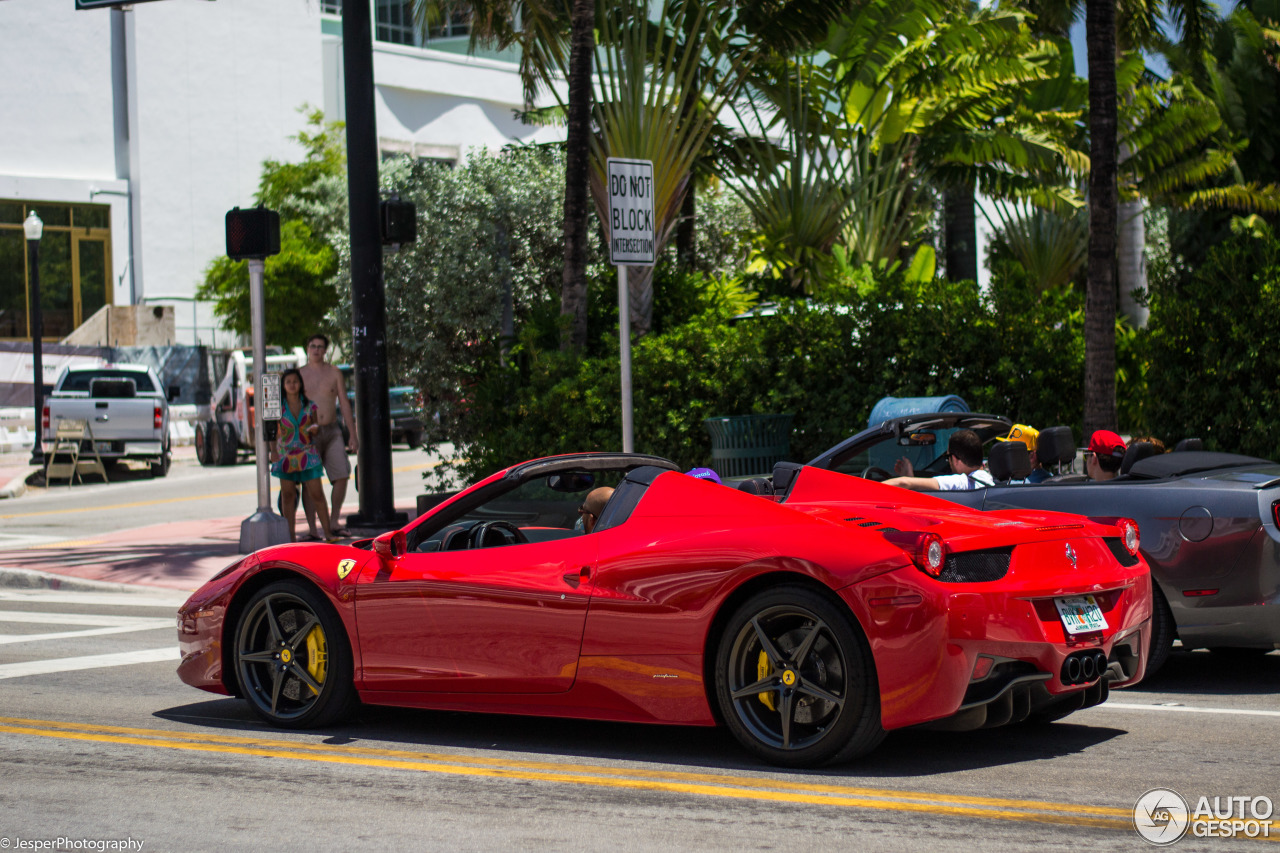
<point>292,658</point>
<point>205,432</point>
<point>225,445</point>
<point>795,680</point>
<point>413,438</point>
<point>160,468</point>
<point>1163,631</point>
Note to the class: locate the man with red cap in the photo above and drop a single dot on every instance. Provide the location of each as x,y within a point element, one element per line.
<point>1106,452</point>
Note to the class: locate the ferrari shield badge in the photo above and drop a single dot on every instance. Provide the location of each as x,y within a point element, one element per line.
<point>345,567</point>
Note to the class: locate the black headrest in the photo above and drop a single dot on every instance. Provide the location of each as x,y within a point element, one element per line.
<point>1188,444</point>
<point>784,474</point>
<point>1137,451</point>
<point>1056,446</point>
<point>756,486</point>
<point>1009,460</point>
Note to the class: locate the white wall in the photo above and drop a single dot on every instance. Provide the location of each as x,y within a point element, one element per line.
<point>219,86</point>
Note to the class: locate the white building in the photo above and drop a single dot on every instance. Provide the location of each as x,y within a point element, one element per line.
<point>133,132</point>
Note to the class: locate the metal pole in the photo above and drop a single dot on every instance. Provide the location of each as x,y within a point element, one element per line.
<point>368,302</point>
<point>37,343</point>
<point>257,312</point>
<point>624,348</point>
<point>264,527</point>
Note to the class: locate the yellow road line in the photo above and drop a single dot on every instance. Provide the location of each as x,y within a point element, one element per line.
<point>131,505</point>
<point>747,788</point>
<point>135,504</point>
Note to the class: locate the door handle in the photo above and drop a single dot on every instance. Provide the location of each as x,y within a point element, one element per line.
<point>574,579</point>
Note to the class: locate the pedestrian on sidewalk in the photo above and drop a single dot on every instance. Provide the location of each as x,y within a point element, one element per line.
<point>329,395</point>
<point>294,458</point>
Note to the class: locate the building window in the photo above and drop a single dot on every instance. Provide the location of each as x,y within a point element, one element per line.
<point>75,266</point>
<point>331,7</point>
<point>395,23</point>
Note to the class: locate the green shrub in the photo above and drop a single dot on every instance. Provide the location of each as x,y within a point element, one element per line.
<point>825,364</point>
<point>1211,347</point>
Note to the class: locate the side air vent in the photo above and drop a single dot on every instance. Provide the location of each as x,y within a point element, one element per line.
<point>976,566</point>
<point>1116,544</point>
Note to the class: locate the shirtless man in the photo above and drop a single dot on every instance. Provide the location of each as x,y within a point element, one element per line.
<point>325,388</point>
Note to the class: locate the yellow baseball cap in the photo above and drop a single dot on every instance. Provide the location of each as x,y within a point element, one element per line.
<point>1021,432</point>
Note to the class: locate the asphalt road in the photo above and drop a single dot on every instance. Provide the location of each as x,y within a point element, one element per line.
<point>101,741</point>
<point>190,492</point>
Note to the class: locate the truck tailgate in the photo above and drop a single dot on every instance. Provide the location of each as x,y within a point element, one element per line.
<point>132,419</point>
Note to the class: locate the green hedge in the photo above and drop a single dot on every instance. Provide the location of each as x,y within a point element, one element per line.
<point>1213,346</point>
<point>827,365</point>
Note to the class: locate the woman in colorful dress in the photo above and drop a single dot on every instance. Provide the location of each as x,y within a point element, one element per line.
<point>295,459</point>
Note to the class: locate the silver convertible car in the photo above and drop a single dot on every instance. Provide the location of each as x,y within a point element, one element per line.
<point>1209,522</point>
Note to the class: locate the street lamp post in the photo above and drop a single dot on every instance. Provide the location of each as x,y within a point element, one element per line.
<point>34,228</point>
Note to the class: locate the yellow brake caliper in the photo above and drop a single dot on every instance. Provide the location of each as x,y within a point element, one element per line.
<point>317,655</point>
<point>762,670</point>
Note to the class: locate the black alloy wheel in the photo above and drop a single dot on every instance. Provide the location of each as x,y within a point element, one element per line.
<point>795,680</point>
<point>292,658</point>
<point>1163,631</point>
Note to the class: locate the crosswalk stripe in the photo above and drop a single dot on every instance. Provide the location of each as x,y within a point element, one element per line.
<point>43,667</point>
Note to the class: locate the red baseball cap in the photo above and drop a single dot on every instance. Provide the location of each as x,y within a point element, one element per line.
<point>1107,443</point>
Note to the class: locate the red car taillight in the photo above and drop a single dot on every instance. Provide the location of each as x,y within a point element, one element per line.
<point>927,550</point>
<point>1275,505</point>
<point>44,418</point>
<point>1129,533</point>
<point>159,418</point>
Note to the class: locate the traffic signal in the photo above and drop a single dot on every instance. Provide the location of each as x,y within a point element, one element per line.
<point>252,233</point>
<point>399,221</point>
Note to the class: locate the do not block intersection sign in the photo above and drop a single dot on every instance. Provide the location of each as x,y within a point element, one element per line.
<point>631,226</point>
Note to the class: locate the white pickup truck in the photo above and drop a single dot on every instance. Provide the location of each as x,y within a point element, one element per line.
<point>125,406</point>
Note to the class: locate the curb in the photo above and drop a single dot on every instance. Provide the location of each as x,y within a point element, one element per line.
<point>28,579</point>
<point>16,487</point>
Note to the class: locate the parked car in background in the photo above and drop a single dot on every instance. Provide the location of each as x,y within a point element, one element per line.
<point>125,407</point>
<point>809,620</point>
<point>406,427</point>
<point>1210,522</point>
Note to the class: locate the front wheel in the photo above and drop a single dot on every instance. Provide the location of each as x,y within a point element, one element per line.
<point>292,657</point>
<point>795,680</point>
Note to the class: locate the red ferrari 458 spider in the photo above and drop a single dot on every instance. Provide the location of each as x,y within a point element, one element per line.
<point>809,614</point>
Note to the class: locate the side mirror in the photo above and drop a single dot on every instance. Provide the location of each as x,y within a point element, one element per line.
<point>175,391</point>
<point>390,545</point>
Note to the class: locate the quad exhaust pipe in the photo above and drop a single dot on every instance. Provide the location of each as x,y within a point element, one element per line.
<point>1084,667</point>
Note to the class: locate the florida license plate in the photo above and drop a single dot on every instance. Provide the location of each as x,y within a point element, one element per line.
<point>1081,614</point>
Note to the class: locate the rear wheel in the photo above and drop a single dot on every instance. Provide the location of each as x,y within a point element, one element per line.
<point>1163,631</point>
<point>160,468</point>
<point>795,680</point>
<point>292,657</point>
<point>225,445</point>
<point>413,438</point>
<point>205,432</point>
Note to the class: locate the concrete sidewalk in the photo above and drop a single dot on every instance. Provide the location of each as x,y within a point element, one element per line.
<point>176,555</point>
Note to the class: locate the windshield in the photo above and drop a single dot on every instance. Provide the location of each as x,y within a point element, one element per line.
<point>922,443</point>
<point>81,380</point>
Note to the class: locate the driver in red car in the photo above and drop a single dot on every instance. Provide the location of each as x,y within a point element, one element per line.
<point>964,454</point>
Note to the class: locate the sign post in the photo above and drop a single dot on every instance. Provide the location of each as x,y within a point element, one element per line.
<point>631,243</point>
<point>253,235</point>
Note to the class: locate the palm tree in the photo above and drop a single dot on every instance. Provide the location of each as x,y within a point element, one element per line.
<point>1100,292</point>
<point>545,31</point>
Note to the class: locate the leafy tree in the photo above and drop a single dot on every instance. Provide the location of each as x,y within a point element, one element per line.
<point>1211,347</point>
<point>298,283</point>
